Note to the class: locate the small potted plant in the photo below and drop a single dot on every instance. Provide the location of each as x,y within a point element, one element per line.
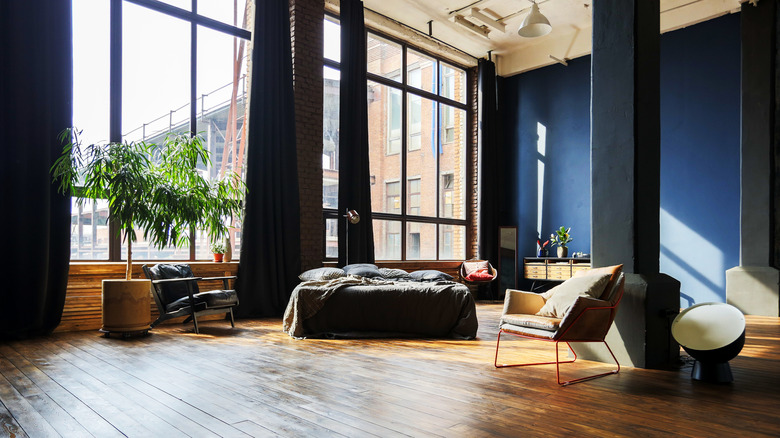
<point>561,237</point>
<point>218,249</point>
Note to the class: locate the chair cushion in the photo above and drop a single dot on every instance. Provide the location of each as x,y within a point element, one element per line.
<point>614,271</point>
<point>559,299</point>
<point>173,292</point>
<point>480,275</point>
<point>528,331</point>
<point>206,300</point>
<point>532,321</point>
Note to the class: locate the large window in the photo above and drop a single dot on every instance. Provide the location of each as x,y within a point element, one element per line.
<point>188,75</point>
<point>417,147</point>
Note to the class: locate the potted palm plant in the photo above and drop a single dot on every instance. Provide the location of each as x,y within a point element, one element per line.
<point>149,187</point>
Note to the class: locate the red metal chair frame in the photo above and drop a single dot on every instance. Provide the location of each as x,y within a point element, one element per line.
<point>561,339</point>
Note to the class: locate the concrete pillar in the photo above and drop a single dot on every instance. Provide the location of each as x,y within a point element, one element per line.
<point>752,286</point>
<point>625,173</point>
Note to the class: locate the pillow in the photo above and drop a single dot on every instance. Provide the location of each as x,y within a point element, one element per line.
<point>430,275</point>
<point>363,270</point>
<point>473,266</point>
<point>394,274</point>
<point>480,275</point>
<point>322,274</point>
<point>559,299</point>
<point>614,271</point>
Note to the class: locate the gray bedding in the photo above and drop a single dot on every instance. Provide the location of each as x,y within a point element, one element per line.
<point>359,307</point>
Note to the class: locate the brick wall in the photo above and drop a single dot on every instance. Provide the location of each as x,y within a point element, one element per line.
<point>472,196</point>
<point>306,18</point>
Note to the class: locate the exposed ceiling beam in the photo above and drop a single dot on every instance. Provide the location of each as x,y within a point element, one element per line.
<point>487,21</point>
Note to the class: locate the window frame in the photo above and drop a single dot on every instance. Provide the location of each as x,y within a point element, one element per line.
<point>115,128</point>
<point>438,99</point>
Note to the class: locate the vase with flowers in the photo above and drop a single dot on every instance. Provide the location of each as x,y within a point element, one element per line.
<point>561,237</point>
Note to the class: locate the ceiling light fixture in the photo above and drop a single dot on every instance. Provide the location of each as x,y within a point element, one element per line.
<point>535,24</point>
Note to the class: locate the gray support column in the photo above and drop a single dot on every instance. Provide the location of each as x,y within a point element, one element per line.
<point>753,286</point>
<point>625,175</point>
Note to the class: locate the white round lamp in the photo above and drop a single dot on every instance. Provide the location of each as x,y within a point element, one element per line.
<point>713,334</point>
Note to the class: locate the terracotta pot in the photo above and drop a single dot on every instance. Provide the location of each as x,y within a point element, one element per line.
<point>126,305</point>
<point>563,251</point>
<point>218,258</point>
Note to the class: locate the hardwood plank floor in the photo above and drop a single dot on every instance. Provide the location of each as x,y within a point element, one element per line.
<point>255,380</point>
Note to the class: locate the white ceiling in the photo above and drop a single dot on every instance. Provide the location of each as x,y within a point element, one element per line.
<point>570,19</point>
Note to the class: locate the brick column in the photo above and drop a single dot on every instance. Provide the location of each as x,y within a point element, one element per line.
<point>306,24</point>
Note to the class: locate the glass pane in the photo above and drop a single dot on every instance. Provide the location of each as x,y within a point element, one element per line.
<point>387,240</point>
<point>182,4</point>
<point>421,158</point>
<point>420,241</point>
<point>233,12</point>
<point>142,250</point>
<point>155,75</point>
<point>203,244</point>
<point>452,242</point>
<point>420,71</point>
<point>89,230</point>
<point>332,39</point>
<point>221,105</point>
<point>330,138</point>
<point>91,69</point>
<point>384,57</point>
<point>331,238</point>
<point>453,83</point>
<point>384,138</point>
<point>155,92</point>
<point>452,163</point>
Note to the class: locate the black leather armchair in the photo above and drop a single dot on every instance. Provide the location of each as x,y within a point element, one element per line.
<point>176,293</point>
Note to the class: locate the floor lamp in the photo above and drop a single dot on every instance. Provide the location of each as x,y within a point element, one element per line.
<point>352,217</point>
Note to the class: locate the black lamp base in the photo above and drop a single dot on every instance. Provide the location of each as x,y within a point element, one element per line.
<point>714,372</point>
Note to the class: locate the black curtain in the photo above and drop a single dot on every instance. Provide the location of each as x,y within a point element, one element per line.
<point>354,173</point>
<point>36,89</point>
<point>271,236</point>
<point>489,163</point>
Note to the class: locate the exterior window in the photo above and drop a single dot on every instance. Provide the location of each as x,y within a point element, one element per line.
<point>394,122</point>
<point>393,197</point>
<point>158,101</point>
<point>414,196</point>
<point>417,151</point>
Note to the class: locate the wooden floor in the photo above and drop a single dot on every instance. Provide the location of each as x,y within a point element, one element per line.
<point>257,381</point>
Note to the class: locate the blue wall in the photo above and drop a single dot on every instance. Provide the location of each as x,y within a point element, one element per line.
<point>700,129</point>
<point>547,127</point>
<point>699,155</point>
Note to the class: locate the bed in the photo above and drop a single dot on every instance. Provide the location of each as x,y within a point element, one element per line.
<point>353,305</point>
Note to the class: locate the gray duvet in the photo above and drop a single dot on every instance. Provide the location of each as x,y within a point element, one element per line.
<point>363,307</point>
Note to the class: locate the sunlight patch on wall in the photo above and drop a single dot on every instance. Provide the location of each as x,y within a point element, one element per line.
<point>693,260</point>
<point>541,148</point>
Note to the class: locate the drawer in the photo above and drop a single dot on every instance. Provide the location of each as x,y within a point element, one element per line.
<point>559,276</point>
<point>534,272</point>
<point>579,267</point>
<point>558,271</point>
